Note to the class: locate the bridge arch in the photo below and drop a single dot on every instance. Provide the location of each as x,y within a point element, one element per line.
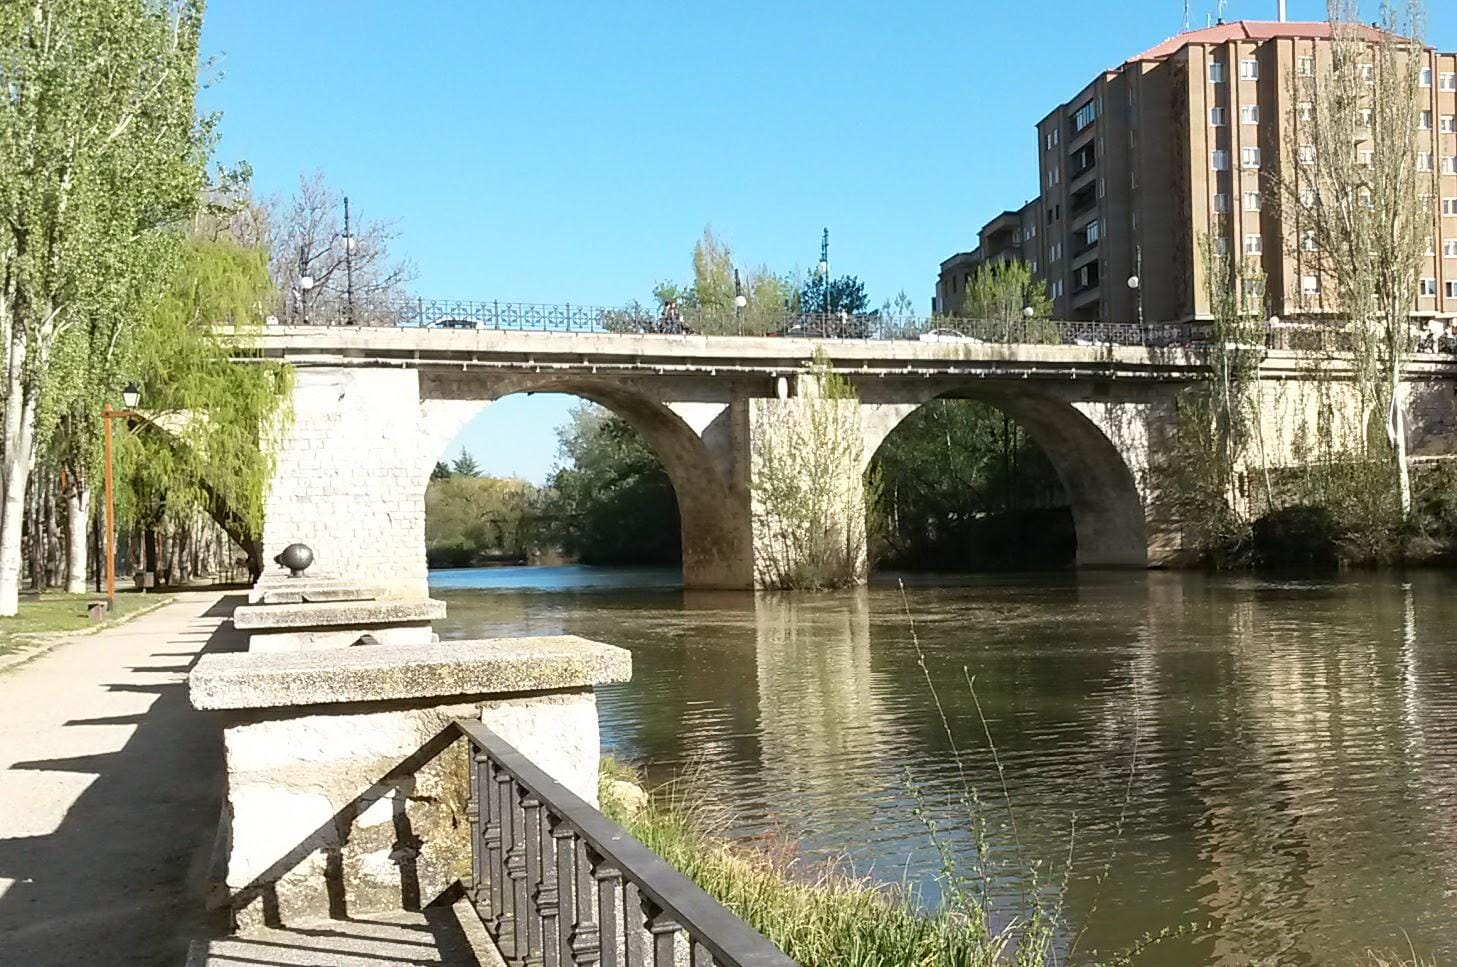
<point>715,539</point>
<point>1094,454</point>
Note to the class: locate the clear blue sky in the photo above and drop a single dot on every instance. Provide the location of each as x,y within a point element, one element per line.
<point>573,152</point>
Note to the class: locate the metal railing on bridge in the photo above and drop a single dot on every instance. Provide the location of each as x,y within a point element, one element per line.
<point>467,315</point>
<point>557,883</point>
<point>450,314</point>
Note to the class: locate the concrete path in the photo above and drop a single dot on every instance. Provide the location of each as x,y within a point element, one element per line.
<point>110,790</point>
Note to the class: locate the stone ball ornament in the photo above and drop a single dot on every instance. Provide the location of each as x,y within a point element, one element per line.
<point>297,558</point>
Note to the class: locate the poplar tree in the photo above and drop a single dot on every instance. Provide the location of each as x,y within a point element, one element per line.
<point>101,157</point>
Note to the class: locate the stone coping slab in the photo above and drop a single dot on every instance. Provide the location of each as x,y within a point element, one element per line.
<point>490,666</point>
<point>283,594</point>
<point>330,614</point>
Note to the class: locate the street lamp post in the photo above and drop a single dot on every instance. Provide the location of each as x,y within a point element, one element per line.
<point>1135,282</point>
<point>129,397</point>
<point>824,268</point>
<point>739,302</point>
<point>348,265</point>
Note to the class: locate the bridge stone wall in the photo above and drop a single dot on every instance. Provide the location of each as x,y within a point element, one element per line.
<point>351,473</point>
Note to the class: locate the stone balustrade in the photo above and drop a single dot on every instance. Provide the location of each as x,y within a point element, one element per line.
<point>311,613</point>
<point>347,782</point>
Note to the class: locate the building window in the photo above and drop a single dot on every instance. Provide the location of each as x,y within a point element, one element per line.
<point>1305,67</point>
<point>1363,198</point>
<point>1424,121</point>
<point>1427,288</point>
<point>1424,161</point>
<point>1307,154</point>
<point>1252,201</point>
<point>1219,159</point>
<point>1090,234</point>
<point>1452,290</point>
<point>1249,114</point>
<point>1447,82</point>
<point>1304,112</point>
<point>1364,117</point>
<point>1308,242</point>
<point>1365,157</point>
<point>1426,77</point>
<point>1310,284</point>
<point>1216,72</point>
<point>1254,245</point>
<point>1449,165</point>
<point>1449,206</point>
<point>1367,72</point>
<point>1449,123</point>
<point>1309,198</point>
<point>1054,251</point>
<point>1221,246</point>
<point>1054,176</point>
<point>1249,157</point>
<point>1085,115</point>
<point>1218,117</point>
<point>1449,249</point>
<point>1249,70</point>
<point>1221,204</point>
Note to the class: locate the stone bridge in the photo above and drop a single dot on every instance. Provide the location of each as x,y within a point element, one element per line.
<point>374,409</point>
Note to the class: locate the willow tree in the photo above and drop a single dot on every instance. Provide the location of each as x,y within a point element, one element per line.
<point>1360,201</point>
<point>202,443</point>
<point>100,153</point>
<point>999,296</point>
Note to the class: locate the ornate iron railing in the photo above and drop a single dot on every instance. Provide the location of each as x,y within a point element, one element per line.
<point>532,317</point>
<point>557,883</point>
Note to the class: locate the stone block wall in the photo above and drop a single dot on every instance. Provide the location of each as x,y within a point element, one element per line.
<point>347,785</point>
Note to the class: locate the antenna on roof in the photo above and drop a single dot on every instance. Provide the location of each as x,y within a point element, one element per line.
<point>1282,11</point>
<point>1186,16</point>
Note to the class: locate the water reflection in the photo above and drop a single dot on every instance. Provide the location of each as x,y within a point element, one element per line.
<point>1274,758</point>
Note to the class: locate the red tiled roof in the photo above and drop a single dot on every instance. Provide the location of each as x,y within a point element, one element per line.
<point>1255,30</point>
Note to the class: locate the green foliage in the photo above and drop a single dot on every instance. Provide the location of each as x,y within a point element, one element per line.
<point>1003,291</point>
<point>948,468</point>
<point>470,519</point>
<point>611,500</point>
<point>808,507</point>
<point>707,305</point>
<point>465,465</point>
<point>201,444</point>
<point>441,471</point>
<point>844,294</point>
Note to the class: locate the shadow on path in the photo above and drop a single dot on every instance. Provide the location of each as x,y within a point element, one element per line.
<point>120,879</point>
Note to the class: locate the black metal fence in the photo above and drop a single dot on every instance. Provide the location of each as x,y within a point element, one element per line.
<point>534,317</point>
<point>556,883</point>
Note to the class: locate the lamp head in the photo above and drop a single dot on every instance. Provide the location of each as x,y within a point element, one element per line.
<point>132,395</point>
<point>1134,282</point>
<point>306,282</point>
<point>1028,312</point>
<point>741,300</point>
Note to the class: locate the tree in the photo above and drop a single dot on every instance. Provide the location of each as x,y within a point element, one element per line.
<point>308,243</point>
<point>100,154</point>
<point>441,471</point>
<point>708,305</point>
<point>612,499</point>
<point>808,504</point>
<point>465,465</point>
<point>1004,291</point>
<point>845,294</point>
<point>468,519</point>
<point>1360,206</point>
<point>201,444</point>
<point>950,466</point>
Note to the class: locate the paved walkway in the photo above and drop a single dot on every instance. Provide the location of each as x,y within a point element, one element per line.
<point>110,790</point>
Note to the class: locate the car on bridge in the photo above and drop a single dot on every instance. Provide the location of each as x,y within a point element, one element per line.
<point>458,322</point>
<point>948,335</point>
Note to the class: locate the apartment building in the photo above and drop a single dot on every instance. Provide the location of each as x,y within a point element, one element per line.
<point>1184,141</point>
<point>1011,236</point>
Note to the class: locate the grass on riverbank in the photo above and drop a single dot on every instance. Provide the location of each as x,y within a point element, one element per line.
<point>820,916</point>
<point>59,612</point>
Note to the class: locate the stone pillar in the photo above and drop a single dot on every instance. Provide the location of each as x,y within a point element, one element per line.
<point>807,489</point>
<point>347,786</point>
<point>351,472</point>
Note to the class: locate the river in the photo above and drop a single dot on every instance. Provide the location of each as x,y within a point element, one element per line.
<point>1272,759</point>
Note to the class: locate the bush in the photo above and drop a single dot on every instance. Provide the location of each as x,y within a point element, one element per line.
<point>1301,535</point>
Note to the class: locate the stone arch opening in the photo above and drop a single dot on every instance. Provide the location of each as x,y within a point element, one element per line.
<point>714,541</point>
<point>1078,439</point>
